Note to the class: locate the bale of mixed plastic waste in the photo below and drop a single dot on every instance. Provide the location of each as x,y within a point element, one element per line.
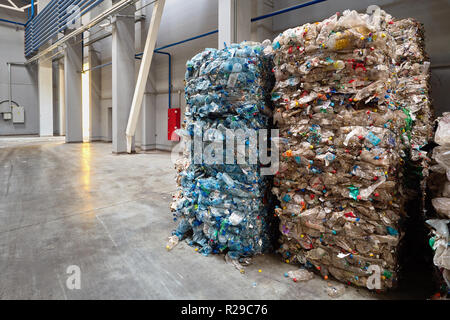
<point>439,185</point>
<point>222,206</point>
<point>343,132</point>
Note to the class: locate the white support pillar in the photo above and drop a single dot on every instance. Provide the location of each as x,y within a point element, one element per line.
<point>45,88</point>
<point>149,118</point>
<point>262,29</point>
<point>45,85</point>
<point>123,78</point>
<point>58,98</point>
<point>148,112</point>
<point>62,100</point>
<point>234,21</point>
<point>73,93</point>
<point>226,22</point>
<point>243,20</point>
<point>95,78</point>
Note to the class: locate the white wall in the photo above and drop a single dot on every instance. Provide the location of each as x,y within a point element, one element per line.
<point>180,20</point>
<point>183,19</point>
<point>24,79</point>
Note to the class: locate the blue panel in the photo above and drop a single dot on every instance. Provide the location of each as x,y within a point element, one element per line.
<point>43,27</point>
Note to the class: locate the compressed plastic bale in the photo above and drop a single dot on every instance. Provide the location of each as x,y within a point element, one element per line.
<point>442,156</point>
<point>442,206</point>
<point>445,191</point>
<point>412,77</point>
<point>344,137</point>
<point>439,243</point>
<point>224,207</point>
<point>442,135</point>
<point>439,218</point>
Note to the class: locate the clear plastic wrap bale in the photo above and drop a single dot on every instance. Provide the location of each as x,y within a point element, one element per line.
<point>439,216</point>
<point>222,206</point>
<point>342,128</point>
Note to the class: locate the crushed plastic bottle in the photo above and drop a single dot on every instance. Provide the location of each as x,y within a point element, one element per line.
<point>336,291</point>
<point>236,263</point>
<point>173,241</point>
<point>300,275</point>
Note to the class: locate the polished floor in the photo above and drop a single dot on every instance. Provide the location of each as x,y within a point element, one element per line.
<point>78,204</point>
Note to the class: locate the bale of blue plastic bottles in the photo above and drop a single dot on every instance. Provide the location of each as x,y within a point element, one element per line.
<point>223,206</point>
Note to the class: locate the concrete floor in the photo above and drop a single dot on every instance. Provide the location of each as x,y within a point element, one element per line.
<point>78,204</point>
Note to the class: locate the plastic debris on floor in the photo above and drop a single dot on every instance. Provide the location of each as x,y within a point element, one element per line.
<point>439,185</point>
<point>336,290</point>
<point>222,206</point>
<point>300,275</point>
<point>345,132</point>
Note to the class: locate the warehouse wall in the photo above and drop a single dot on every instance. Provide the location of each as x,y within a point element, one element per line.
<point>184,19</point>
<point>24,79</point>
<point>193,18</point>
<point>180,20</point>
<point>93,57</point>
<point>434,14</point>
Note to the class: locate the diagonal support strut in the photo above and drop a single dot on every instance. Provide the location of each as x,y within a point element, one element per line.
<point>144,71</point>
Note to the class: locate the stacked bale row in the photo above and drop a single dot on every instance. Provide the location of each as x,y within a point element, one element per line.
<point>341,153</point>
<point>412,76</point>
<point>220,206</point>
<point>439,185</point>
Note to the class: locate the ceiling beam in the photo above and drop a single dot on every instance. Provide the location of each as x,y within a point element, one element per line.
<point>14,7</point>
<point>11,7</point>
<point>13,4</point>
